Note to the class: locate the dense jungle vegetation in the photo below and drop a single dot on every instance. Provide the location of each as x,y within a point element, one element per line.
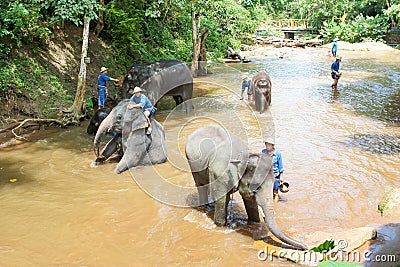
<point>147,30</point>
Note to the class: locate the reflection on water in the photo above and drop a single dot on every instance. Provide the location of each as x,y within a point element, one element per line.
<point>340,152</point>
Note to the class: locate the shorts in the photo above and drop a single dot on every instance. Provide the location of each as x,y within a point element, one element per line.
<point>151,110</point>
<point>249,91</point>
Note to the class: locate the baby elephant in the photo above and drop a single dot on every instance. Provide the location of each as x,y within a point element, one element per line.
<point>221,164</point>
<point>261,86</point>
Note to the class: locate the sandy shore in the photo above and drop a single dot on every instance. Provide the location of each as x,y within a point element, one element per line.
<point>270,50</point>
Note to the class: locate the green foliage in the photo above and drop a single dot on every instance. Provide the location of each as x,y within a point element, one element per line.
<point>324,247</point>
<point>393,11</point>
<point>361,29</point>
<point>70,10</point>
<point>19,24</point>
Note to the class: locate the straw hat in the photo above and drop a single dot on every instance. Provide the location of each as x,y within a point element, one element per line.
<point>137,89</point>
<point>269,141</point>
<point>244,77</point>
<point>103,69</point>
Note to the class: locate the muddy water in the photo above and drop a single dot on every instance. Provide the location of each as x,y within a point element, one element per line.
<point>340,149</point>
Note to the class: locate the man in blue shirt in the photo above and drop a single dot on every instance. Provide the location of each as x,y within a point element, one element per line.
<point>102,86</point>
<point>246,84</point>
<point>334,47</point>
<point>276,163</point>
<point>141,101</point>
<point>335,72</point>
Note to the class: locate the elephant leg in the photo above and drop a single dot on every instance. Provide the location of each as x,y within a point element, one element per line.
<point>110,148</point>
<point>251,209</point>
<point>262,104</point>
<point>202,188</point>
<point>221,210</point>
<point>178,101</point>
<point>188,105</point>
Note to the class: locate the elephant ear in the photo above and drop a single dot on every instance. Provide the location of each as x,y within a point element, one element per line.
<point>259,165</point>
<point>133,120</point>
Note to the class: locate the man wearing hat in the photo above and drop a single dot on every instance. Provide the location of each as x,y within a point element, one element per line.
<point>335,72</point>
<point>246,84</point>
<point>102,86</point>
<point>141,101</point>
<point>276,163</point>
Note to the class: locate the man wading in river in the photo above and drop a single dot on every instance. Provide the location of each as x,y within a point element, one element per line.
<point>335,72</point>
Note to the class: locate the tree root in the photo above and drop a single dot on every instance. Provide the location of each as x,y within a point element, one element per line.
<point>63,124</point>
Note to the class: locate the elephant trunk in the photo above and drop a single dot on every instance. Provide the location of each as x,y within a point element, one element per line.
<point>103,128</point>
<point>268,209</point>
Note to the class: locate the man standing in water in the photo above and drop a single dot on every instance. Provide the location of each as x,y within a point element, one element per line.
<point>334,47</point>
<point>246,84</point>
<point>276,163</point>
<point>335,72</point>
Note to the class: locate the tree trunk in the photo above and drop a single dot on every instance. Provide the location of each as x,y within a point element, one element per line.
<point>100,22</point>
<point>196,30</point>
<point>203,54</point>
<point>80,90</point>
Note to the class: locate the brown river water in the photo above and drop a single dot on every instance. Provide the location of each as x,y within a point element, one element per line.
<point>341,153</point>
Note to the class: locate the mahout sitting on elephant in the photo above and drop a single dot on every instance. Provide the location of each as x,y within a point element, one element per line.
<point>96,120</point>
<point>261,86</point>
<point>166,77</point>
<point>221,164</point>
<point>128,128</point>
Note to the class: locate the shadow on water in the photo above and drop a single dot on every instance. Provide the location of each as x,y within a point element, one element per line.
<point>376,143</point>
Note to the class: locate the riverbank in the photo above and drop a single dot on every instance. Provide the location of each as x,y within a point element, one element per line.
<point>271,50</point>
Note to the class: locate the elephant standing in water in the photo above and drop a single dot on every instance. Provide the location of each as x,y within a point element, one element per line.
<point>166,77</point>
<point>221,164</point>
<point>261,86</point>
<point>128,127</point>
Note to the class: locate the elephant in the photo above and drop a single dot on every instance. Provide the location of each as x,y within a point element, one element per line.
<point>96,120</point>
<point>128,127</point>
<point>166,77</point>
<point>221,164</point>
<point>261,86</point>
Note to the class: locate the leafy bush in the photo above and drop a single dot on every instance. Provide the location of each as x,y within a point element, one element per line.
<point>361,29</point>
<point>20,24</point>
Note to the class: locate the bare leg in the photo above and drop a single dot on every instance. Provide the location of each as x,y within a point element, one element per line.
<point>335,82</point>
<point>149,129</point>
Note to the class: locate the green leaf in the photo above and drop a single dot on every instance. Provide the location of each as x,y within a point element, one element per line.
<point>326,246</point>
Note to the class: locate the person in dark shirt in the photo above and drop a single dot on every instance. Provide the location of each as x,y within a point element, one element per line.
<point>335,72</point>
